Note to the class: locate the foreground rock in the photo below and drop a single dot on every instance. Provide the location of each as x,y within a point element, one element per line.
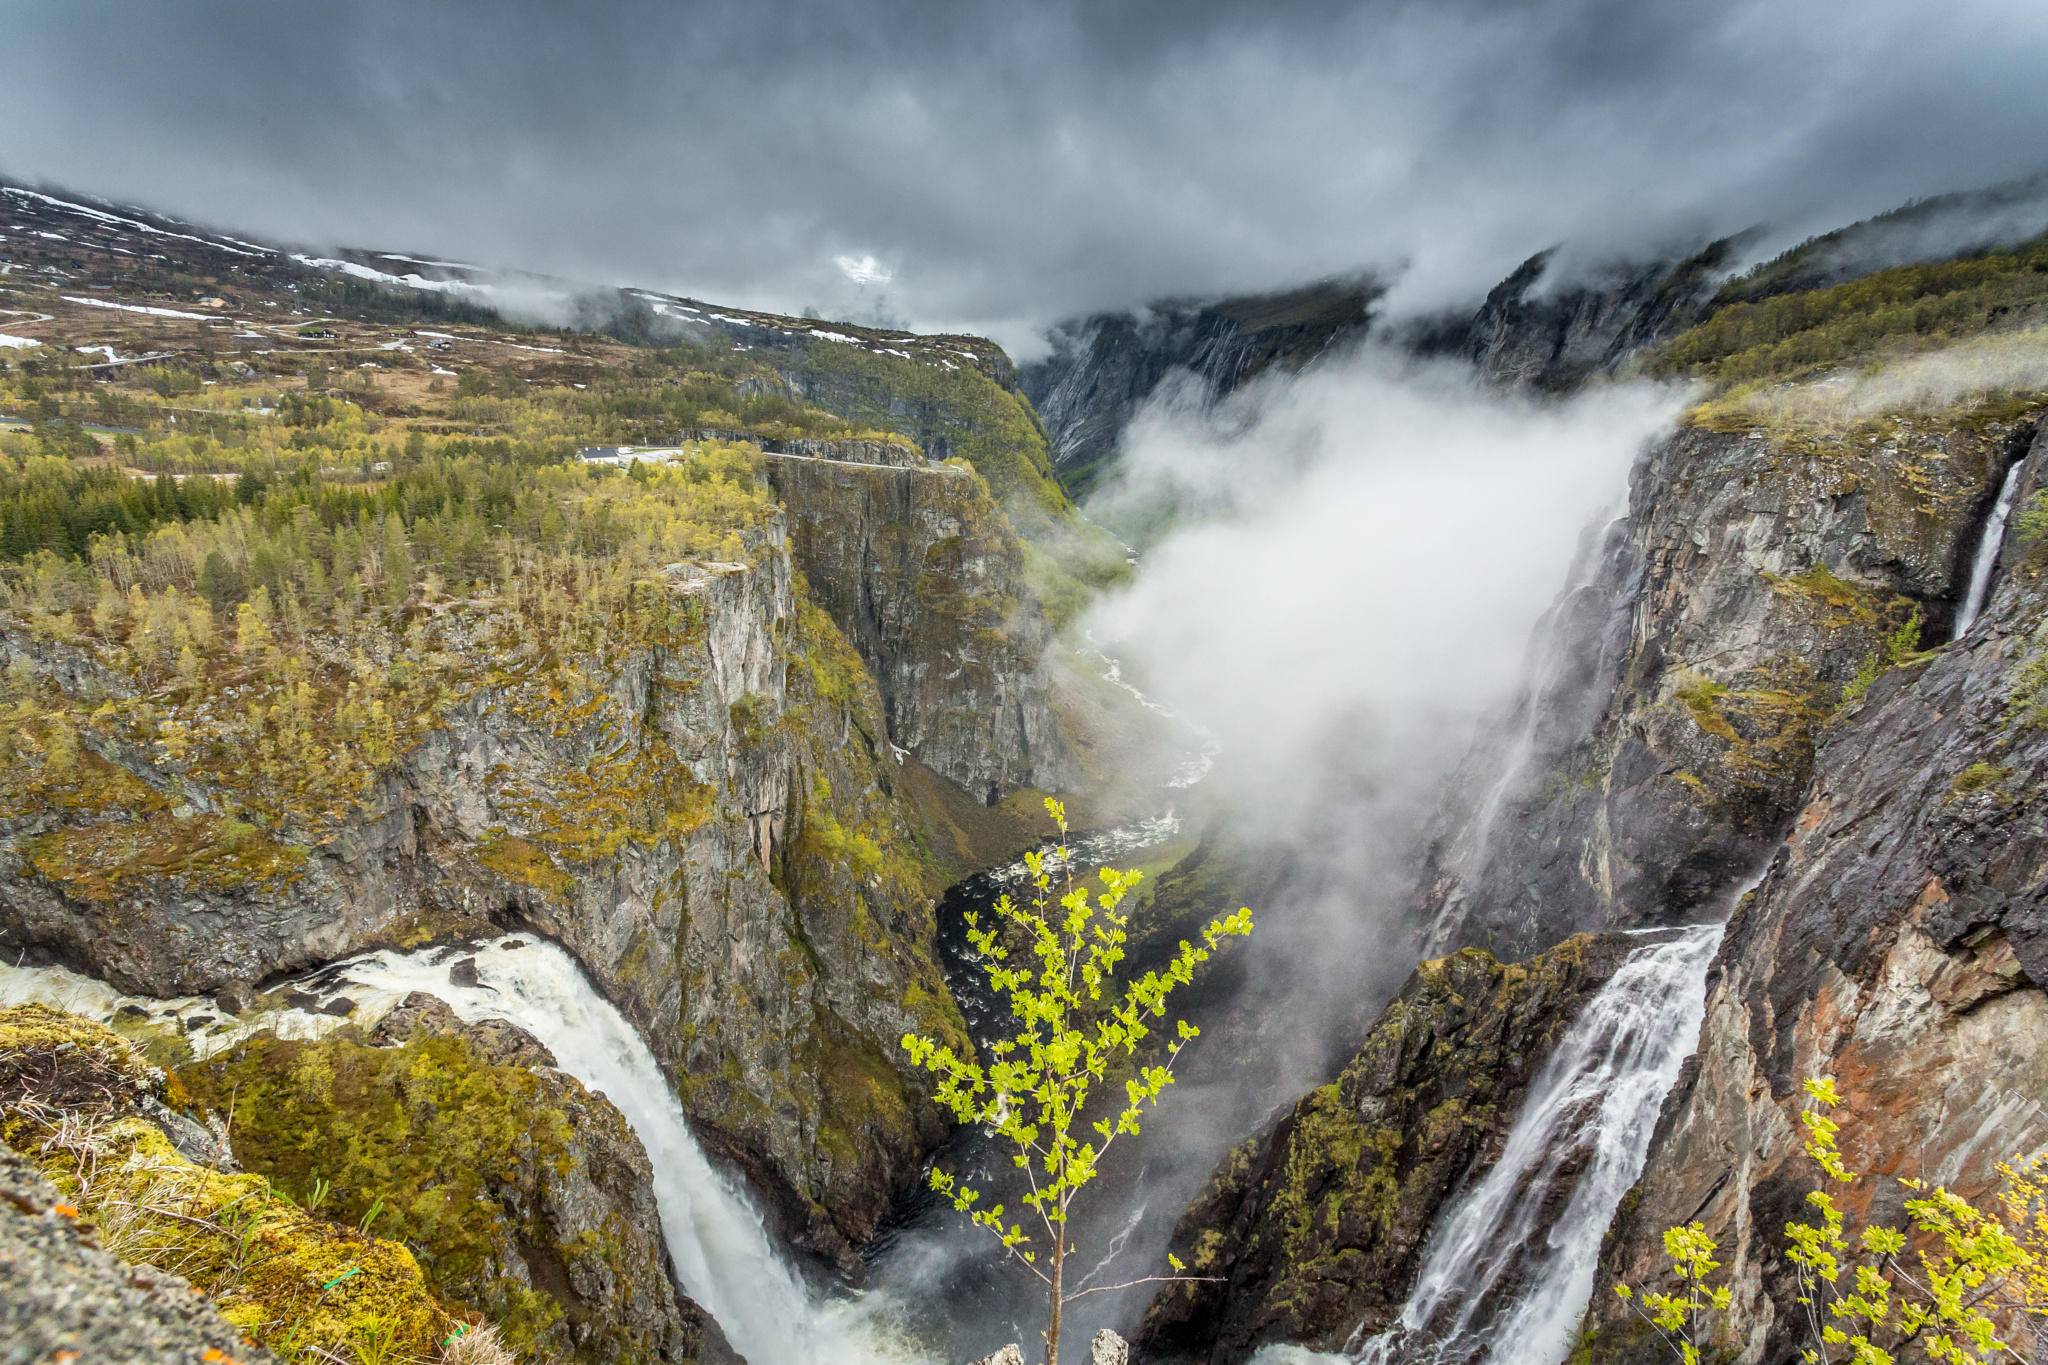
<point>1899,945</point>
<point>91,1114</point>
<point>1106,1349</point>
<point>1315,1227</point>
<point>63,1298</point>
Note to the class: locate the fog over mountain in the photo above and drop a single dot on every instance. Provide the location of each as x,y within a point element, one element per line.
<point>997,167</point>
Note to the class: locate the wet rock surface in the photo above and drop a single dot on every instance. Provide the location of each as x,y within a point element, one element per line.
<point>499,1042</point>
<point>1313,1229</point>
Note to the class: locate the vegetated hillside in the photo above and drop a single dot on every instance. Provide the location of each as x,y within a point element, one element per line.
<point>317,634</point>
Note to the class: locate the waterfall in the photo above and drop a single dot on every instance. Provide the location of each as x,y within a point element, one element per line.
<point>722,1250</point>
<point>1986,562</point>
<point>1507,1274</point>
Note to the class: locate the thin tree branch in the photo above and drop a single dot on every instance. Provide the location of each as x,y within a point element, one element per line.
<point>1149,1279</point>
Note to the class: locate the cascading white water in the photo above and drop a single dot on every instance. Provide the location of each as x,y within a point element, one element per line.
<point>1986,562</point>
<point>722,1250</point>
<point>1505,1279</point>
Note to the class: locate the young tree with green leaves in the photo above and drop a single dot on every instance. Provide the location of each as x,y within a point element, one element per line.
<point>1034,1091</point>
<point>1964,1285</point>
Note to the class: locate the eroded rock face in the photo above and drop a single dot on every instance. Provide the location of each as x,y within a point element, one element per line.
<point>920,571</point>
<point>705,822</point>
<point>1694,668</point>
<point>1899,945</point>
<point>1315,1227</point>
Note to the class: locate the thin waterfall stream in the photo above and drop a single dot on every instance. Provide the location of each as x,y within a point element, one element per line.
<point>1986,562</point>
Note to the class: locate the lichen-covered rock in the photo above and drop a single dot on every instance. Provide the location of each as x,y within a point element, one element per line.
<point>922,573</point>
<point>1693,671</point>
<point>525,1196</point>
<point>1899,945</point>
<point>64,1298</point>
<point>1315,1227</point>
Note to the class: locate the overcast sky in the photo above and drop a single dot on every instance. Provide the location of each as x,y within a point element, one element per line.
<point>996,166</point>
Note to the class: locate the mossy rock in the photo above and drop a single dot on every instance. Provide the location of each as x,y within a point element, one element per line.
<point>526,1197</point>
<point>60,1059</point>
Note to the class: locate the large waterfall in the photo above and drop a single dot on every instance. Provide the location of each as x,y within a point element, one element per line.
<point>1507,1273</point>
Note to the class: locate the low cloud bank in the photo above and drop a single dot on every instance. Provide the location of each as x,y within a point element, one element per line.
<point>1365,551</point>
<point>1982,367</point>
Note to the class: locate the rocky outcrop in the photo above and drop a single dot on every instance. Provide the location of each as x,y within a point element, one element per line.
<point>1312,1230</point>
<point>704,819</point>
<point>1102,368</point>
<point>523,1195</point>
<point>921,573</point>
<point>495,1042</point>
<point>1899,945</point>
<point>1684,682</point>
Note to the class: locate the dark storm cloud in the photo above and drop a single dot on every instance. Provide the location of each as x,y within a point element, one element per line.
<point>1007,164</point>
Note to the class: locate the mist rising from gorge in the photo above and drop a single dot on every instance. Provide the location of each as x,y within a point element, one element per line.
<point>1363,552</point>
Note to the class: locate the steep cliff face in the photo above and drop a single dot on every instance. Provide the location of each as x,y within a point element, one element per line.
<point>705,821</point>
<point>1101,368</point>
<point>1313,1229</point>
<point>1684,683</point>
<point>922,574</point>
<point>1900,945</point>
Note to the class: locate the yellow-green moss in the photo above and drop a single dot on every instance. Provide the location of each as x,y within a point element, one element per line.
<point>445,1147</point>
